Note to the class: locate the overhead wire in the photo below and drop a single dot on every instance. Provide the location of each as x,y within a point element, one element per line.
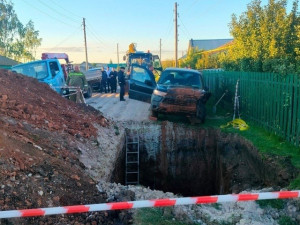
<point>95,37</point>
<point>53,17</point>
<point>201,10</point>
<point>185,27</point>
<point>169,27</point>
<point>94,32</point>
<point>193,4</point>
<point>66,39</point>
<point>59,13</point>
<point>66,9</point>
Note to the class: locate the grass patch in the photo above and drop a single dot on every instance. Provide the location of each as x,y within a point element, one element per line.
<point>117,132</point>
<point>217,206</point>
<point>269,143</point>
<point>149,216</point>
<point>285,220</point>
<point>274,203</point>
<point>295,184</point>
<point>263,140</point>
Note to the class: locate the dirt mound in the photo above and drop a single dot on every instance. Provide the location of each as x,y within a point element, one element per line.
<point>24,98</point>
<point>38,153</point>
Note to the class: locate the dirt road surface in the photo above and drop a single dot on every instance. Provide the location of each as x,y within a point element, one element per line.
<point>113,108</point>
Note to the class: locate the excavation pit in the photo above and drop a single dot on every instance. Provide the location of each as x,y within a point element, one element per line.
<point>197,162</point>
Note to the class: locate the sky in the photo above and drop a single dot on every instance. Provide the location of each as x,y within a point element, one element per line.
<point>112,22</point>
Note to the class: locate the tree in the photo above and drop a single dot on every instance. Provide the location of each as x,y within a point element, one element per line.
<point>31,40</point>
<point>265,38</point>
<point>10,27</point>
<point>16,41</point>
<point>168,63</point>
<point>191,58</point>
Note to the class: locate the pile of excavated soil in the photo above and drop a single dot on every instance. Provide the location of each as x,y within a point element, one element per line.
<point>39,157</point>
<point>24,98</point>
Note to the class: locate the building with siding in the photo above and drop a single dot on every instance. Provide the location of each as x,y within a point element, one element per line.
<point>208,44</point>
<point>7,63</point>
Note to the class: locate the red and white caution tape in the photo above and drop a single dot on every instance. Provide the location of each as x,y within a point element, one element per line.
<point>149,203</point>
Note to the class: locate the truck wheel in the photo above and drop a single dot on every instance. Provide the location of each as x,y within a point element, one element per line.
<point>99,86</point>
<point>154,113</point>
<point>89,92</point>
<point>201,111</point>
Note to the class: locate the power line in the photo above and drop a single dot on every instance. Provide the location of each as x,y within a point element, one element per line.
<point>185,27</point>
<point>169,28</point>
<point>193,4</point>
<point>66,9</point>
<point>59,13</point>
<point>67,38</point>
<point>47,14</point>
<point>95,33</point>
<point>95,37</point>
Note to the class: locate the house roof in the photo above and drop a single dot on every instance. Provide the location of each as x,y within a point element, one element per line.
<point>208,44</point>
<point>4,61</point>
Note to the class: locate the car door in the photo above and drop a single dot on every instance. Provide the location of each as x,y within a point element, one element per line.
<point>57,76</point>
<point>141,83</point>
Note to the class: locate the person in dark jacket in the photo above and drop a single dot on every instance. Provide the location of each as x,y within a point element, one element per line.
<point>103,81</point>
<point>121,80</point>
<point>113,80</point>
<point>108,70</point>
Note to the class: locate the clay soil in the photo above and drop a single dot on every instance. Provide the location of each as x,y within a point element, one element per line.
<point>38,155</point>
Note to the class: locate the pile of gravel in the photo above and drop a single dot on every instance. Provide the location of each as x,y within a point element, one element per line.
<point>241,213</point>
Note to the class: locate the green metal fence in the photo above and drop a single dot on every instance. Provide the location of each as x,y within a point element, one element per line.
<point>271,100</point>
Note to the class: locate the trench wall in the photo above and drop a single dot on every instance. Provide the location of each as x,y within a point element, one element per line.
<point>195,161</point>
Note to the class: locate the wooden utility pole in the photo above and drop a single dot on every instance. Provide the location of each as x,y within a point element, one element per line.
<point>160,48</point>
<point>85,45</point>
<point>118,54</point>
<point>176,36</point>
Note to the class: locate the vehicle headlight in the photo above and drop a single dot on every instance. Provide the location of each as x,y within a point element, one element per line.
<point>159,93</point>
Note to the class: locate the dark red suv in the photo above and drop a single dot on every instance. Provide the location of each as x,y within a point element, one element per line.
<point>180,91</point>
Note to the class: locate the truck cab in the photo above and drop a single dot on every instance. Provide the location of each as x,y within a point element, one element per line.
<point>48,71</point>
<point>143,59</point>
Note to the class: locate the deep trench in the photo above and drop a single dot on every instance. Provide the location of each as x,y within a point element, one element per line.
<point>195,161</point>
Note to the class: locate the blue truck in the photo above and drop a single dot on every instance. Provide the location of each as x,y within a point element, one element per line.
<point>48,71</point>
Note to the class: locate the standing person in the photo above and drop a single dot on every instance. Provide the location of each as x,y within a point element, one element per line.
<point>77,79</point>
<point>103,80</point>
<point>108,79</point>
<point>121,79</point>
<point>113,80</point>
<point>154,71</point>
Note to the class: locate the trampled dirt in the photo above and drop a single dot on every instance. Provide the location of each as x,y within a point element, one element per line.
<point>38,158</point>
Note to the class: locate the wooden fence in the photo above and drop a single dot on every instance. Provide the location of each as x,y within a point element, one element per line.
<point>271,100</point>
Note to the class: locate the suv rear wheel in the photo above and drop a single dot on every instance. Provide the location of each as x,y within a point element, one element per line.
<point>154,113</point>
<point>89,92</point>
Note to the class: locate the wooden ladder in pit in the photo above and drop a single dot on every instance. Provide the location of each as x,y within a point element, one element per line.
<point>132,173</point>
